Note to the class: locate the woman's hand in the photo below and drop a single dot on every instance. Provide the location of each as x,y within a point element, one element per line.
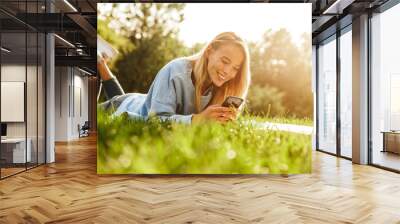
<point>216,113</point>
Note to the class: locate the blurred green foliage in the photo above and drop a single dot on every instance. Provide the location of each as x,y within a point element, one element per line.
<point>278,62</point>
<point>265,100</point>
<point>156,147</point>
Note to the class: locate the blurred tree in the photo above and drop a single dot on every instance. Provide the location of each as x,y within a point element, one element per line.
<point>152,33</point>
<point>118,41</point>
<point>197,47</point>
<point>265,100</point>
<point>280,63</point>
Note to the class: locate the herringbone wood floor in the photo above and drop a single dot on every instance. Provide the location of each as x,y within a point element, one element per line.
<point>70,191</point>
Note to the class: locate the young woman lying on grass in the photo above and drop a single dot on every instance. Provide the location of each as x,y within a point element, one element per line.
<point>189,89</point>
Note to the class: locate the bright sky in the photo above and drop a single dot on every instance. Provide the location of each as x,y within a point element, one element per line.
<point>250,20</point>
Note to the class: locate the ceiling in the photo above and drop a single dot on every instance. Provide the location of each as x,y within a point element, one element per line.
<point>330,15</point>
<point>75,21</point>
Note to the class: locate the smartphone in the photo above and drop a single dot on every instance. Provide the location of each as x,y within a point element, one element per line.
<point>232,101</point>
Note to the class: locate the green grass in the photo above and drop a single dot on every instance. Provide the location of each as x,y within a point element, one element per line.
<point>280,119</point>
<point>155,147</point>
<point>284,120</point>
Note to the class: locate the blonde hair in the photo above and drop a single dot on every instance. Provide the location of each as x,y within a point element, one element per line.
<point>237,86</point>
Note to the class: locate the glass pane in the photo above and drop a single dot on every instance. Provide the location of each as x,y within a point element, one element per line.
<point>386,89</point>
<point>394,102</point>
<point>41,98</point>
<point>17,9</point>
<point>13,84</point>
<point>18,6</point>
<point>327,96</point>
<point>346,94</point>
<point>31,100</point>
<point>22,77</point>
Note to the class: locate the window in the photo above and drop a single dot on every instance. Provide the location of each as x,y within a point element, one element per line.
<point>346,92</point>
<point>22,67</point>
<point>385,87</point>
<point>327,96</point>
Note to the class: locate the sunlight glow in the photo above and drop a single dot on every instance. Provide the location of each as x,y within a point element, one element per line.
<point>250,20</point>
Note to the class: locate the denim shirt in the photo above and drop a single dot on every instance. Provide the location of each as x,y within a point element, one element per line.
<point>170,97</point>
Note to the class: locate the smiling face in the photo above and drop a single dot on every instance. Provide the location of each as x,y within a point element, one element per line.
<point>224,63</point>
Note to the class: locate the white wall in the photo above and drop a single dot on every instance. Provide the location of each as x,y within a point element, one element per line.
<point>71,94</point>
<point>80,100</point>
<point>13,73</point>
<point>62,80</point>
